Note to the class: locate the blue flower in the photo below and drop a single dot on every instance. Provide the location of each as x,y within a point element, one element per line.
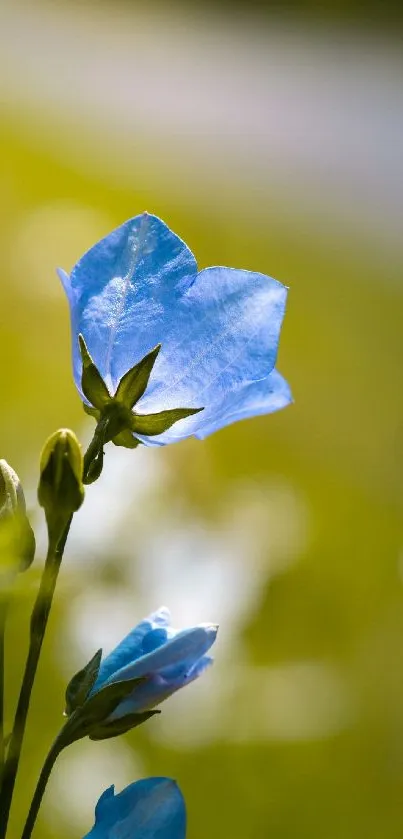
<point>164,658</point>
<point>219,329</point>
<point>152,808</point>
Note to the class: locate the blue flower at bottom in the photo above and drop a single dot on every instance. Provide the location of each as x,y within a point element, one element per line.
<point>152,808</point>
<point>164,658</point>
<point>219,328</point>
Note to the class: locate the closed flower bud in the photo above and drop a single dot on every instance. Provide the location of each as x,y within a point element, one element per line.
<point>60,489</point>
<point>17,541</point>
<point>111,696</point>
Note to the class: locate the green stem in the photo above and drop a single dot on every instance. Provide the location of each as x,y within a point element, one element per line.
<point>94,452</point>
<point>2,631</point>
<point>40,788</point>
<point>39,622</point>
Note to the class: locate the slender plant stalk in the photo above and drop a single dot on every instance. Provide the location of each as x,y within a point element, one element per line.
<point>39,622</point>
<point>2,631</point>
<point>54,752</point>
<point>95,448</point>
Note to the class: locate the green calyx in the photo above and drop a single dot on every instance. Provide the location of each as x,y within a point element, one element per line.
<point>116,419</point>
<point>89,715</point>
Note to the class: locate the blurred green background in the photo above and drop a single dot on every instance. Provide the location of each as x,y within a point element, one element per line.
<point>268,143</point>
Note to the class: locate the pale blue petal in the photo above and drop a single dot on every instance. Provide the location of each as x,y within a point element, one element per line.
<point>131,648</point>
<point>123,294</point>
<point>184,649</point>
<point>262,397</point>
<point>224,334</point>
<point>242,402</point>
<point>152,808</point>
<point>159,687</point>
<point>180,672</point>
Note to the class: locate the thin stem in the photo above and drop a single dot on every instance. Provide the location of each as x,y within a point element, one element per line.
<point>92,452</point>
<point>2,631</point>
<point>95,452</point>
<point>39,622</point>
<point>40,788</point>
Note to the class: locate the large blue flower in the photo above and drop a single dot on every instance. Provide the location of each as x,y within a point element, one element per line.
<point>219,328</point>
<point>164,658</point>
<point>153,808</point>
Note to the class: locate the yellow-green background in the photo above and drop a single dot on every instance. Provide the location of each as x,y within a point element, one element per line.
<point>307,695</point>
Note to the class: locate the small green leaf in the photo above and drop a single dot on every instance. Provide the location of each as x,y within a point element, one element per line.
<point>92,383</point>
<point>126,439</point>
<point>120,726</point>
<point>150,424</point>
<point>80,685</point>
<point>134,383</point>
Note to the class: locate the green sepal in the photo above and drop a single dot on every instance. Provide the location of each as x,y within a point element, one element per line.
<point>92,383</point>
<point>116,421</point>
<point>96,710</point>
<point>99,706</point>
<point>150,424</point>
<point>126,439</point>
<point>80,685</point>
<point>134,383</point>
<point>121,726</point>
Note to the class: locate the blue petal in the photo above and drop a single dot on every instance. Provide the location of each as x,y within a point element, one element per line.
<point>131,648</point>
<point>241,402</point>
<point>262,397</point>
<point>152,808</point>
<point>179,672</point>
<point>159,687</point>
<point>224,333</point>
<point>185,649</point>
<point>123,294</point>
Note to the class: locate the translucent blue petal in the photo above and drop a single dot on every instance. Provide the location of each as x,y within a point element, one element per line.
<point>184,649</point>
<point>123,294</point>
<point>158,688</point>
<point>242,401</point>
<point>152,808</point>
<point>223,334</point>
<point>131,648</point>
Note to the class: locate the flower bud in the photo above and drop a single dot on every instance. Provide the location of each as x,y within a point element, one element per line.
<point>60,490</point>
<point>17,540</point>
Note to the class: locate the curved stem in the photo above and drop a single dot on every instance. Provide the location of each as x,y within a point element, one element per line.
<point>40,788</point>
<point>39,622</point>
